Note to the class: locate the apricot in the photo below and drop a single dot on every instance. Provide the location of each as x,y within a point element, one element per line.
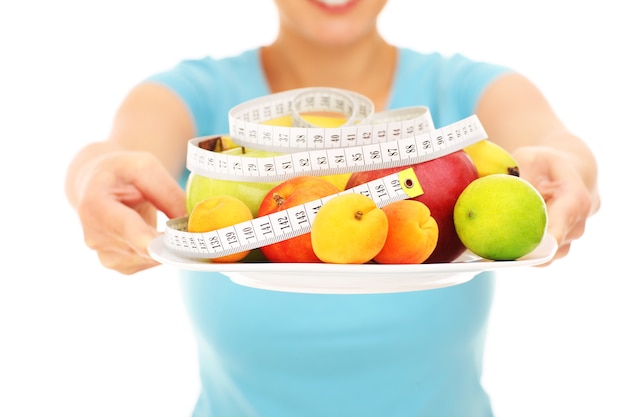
<point>412,235</point>
<point>349,229</point>
<point>215,213</point>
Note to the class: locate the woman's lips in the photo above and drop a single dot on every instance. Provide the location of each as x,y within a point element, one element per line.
<point>334,2</point>
<point>334,5</point>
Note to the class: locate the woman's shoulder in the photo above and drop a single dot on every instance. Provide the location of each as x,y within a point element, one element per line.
<point>449,85</point>
<point>210,86</point>
<point>438,60</point>
<point>210,66</point>
<point>453,70</point>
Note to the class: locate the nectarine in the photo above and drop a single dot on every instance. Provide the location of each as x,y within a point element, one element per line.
<point>412,235</point>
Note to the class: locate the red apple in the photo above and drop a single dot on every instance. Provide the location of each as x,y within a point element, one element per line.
<point>293,192</point>
<point>442,179</point>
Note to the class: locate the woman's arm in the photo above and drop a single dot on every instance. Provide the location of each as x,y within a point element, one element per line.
<point>118,185</point>
<point>559,164</point>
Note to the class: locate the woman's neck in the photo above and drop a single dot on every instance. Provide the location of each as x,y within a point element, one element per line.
<point>366,67</point>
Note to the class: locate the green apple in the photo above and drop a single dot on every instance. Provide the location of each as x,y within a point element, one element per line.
<point>199,187</point>
<point>500,217</point>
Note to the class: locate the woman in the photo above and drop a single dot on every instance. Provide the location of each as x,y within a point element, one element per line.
<point>264,353</point>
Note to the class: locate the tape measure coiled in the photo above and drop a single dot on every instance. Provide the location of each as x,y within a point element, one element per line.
<point>365,141</point>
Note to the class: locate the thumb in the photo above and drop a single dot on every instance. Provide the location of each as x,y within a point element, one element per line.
<point>566,216</point>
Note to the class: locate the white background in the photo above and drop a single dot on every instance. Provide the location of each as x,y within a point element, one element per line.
<point>77,340</point>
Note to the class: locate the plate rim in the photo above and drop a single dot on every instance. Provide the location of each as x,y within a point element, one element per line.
<point>324,278</point>
<point>544,252</point>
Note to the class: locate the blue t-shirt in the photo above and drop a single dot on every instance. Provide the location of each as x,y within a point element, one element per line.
<point>277,354</point>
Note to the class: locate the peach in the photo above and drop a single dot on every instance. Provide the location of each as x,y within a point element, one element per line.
<point>293,192</point>
<point>349,229</point>
<point>215,213</point>
<point>412,235</point>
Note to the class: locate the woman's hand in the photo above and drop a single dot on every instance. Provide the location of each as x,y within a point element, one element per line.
<point>570,202</point>
<point>117,198</point>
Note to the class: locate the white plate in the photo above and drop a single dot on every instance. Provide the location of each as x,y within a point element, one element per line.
<point>325,278</point>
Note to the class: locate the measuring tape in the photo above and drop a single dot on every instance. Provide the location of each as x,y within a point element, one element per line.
<point>365,141</point>
<point>281,225</point>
